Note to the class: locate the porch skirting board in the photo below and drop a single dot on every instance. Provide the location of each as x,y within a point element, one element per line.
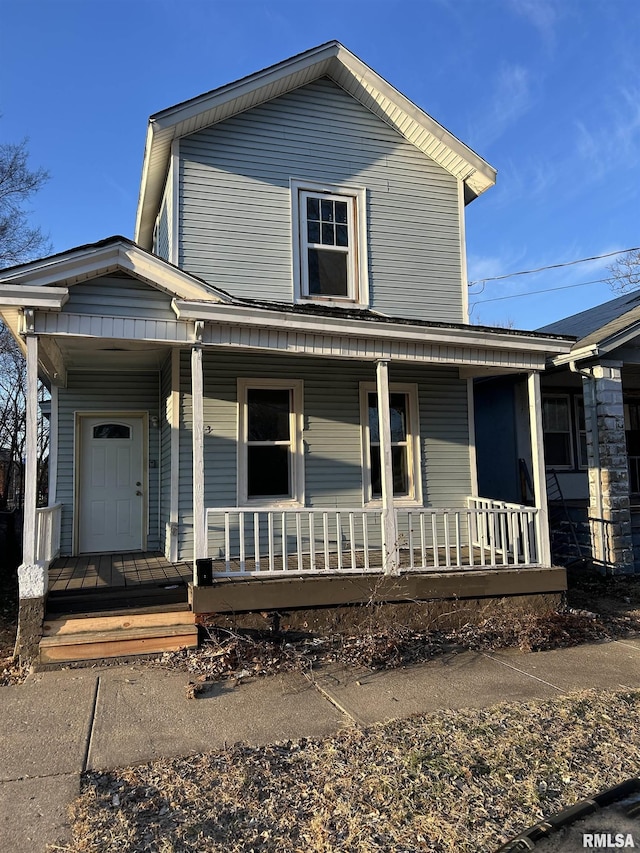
<point>242,595</point>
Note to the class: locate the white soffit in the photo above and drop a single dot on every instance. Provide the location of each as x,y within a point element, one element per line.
<point>328,60</point>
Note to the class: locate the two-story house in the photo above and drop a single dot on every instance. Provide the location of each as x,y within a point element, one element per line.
<point>273,383</point>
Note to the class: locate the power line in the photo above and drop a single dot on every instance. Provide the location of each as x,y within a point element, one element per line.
<point>534,292</point>
<point>553,267</point>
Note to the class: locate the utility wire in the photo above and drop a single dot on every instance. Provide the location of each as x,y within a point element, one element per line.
<point>553,267</point>
<point>533,292</point>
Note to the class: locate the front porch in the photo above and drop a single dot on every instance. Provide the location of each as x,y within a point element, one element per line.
<point>116,571</point>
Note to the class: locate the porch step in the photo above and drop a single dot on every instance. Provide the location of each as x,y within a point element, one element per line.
<point>96,637</point>
<point>117,599</point>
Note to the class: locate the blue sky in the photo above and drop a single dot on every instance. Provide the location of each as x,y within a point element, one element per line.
<point>547,91</point>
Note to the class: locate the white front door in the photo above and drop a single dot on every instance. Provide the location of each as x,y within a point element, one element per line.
<point>111,493</point>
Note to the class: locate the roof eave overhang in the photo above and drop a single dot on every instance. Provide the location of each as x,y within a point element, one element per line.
<point>349,72</point>
<point>43,298</point>
<point>89,262</point>
<point>467,336</point>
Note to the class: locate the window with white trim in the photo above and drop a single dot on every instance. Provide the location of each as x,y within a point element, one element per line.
<point>405,443</point>
<point>556,418</point>
<point>581,432</point>
<point>329,243</point>
<point>270,450</point>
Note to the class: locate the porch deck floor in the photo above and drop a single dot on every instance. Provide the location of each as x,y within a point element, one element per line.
<point>101,571</point>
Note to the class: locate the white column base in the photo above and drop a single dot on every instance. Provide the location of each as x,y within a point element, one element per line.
<point>33,580</point>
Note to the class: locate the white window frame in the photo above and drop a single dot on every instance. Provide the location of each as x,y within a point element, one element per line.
<point>577,399</point>
<point>570,431</point>
<point>357,264</point>
<point>414,467</point>
<point>296,425</point>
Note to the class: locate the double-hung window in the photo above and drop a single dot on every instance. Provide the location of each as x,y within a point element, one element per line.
<point>270,465</point>
<point>329,243</point>
<point>556,417</point>
<point>405,443</point>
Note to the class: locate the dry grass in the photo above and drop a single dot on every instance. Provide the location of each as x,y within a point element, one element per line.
<point>10,670</point>
<point>452,781</point>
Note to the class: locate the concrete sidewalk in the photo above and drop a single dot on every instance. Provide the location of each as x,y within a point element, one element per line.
<point>59,724</point>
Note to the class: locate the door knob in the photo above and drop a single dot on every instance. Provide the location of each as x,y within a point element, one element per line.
<point>139,494</point>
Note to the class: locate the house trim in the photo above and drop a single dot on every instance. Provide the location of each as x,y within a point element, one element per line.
<point>53,446</point>
<point>174,177</point>
<point>414,466</point>
<point>461,336</point>
<point>79,416</point>
<point>358,254</point>
<point>331,60</point>
<point>296,420</point>
<point>174,450</point>
<point>538,467</point>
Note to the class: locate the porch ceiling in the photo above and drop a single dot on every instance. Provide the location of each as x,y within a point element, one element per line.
<point>102,354</point>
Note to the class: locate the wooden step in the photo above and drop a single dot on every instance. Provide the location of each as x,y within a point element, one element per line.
<point>76,626</point>
<point>73,639</point>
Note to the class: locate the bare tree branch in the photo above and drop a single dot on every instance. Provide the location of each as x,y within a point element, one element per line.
<point>625,272</point>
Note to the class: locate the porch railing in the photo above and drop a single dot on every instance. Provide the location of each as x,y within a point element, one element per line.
<point>48,520</point>
<point>506,532</point>
<point>297,540</point>
<point>309,540</point>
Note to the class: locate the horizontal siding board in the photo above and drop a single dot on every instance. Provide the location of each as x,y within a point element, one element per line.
<point>333,474</point>
<point>118,296</point>
<point>235,208</point>
<point>103,392</point>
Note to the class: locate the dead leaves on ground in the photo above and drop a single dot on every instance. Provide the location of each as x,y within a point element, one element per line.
<point>463,781</point>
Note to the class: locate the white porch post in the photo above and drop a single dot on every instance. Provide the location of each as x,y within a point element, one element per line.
<point>199,534</point>
<point>33,577</point>
<point>31,454</point>
<point>390,562</point>
<point>174,451</point>
<point>539,470</point>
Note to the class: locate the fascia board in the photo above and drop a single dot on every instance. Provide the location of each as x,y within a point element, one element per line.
<point>55,270</point>
<point>42,276</point>
<point>30,296</point>
<point>330,59</point>
<point>468,337</point>
<point>170,279</point>
<point>577,354</point>
<point>414,112</point>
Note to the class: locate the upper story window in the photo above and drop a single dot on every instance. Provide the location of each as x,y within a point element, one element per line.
<point>329,244</point>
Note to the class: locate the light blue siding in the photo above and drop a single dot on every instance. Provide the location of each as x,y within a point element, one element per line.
<point>119,296</point>
<point>332,437</point>
<point>104,392</point>
<point>235,210</point>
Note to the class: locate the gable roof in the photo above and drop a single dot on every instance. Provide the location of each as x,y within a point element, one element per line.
<point>331,60</point>
<point>604,328</point>
<point>82,263</point>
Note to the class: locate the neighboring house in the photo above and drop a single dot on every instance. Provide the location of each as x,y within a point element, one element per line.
<point>277,375</point>
<point>591,423</point>
<point>591,399</point>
